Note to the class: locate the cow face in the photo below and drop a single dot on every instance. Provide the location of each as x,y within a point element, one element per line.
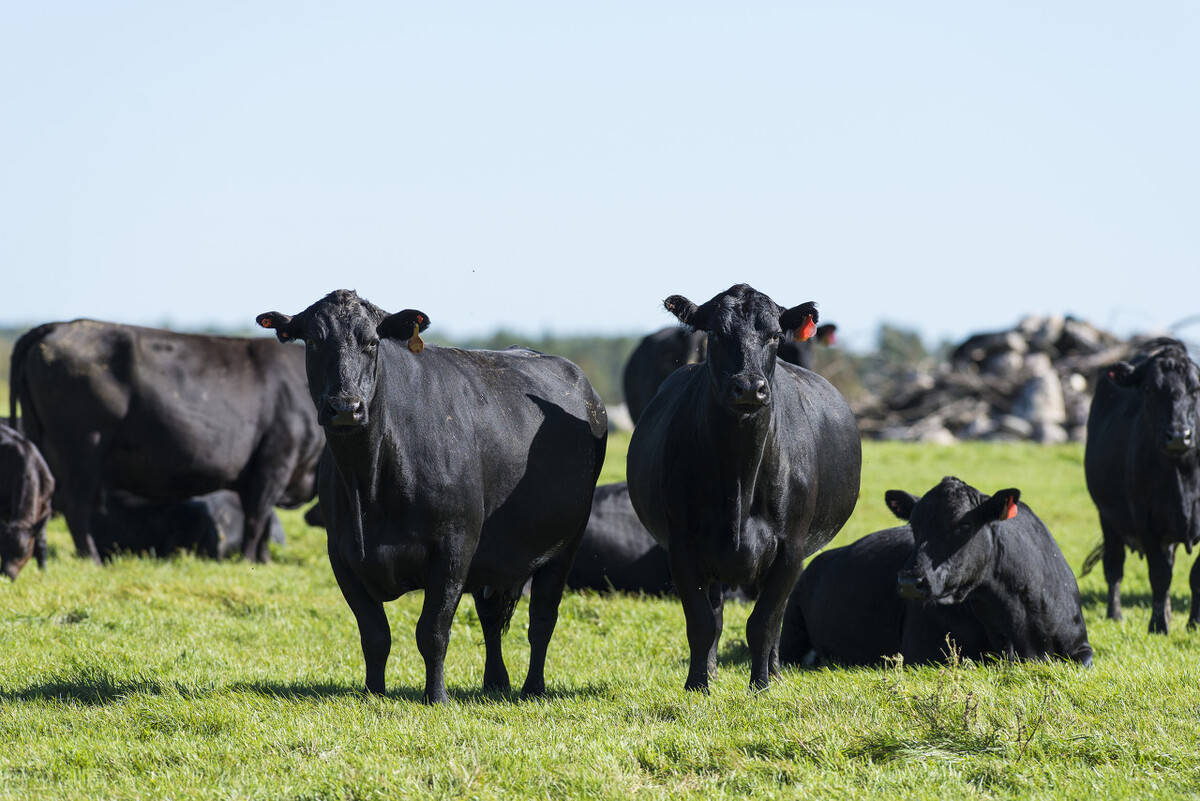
<point>17,545</point>
<point>954,528</point>
<point>341,334</point>
<point>744,327</point>
<point>1170,385</point>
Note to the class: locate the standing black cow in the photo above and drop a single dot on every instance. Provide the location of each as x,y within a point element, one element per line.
<point>617,553</point>
<point>666,350</point>
<point>26,490</point>
<point>741,467</point>
<point>212,525</point>
<point>166,416</point>
<point>1143,469</point>
<point>447,470</point>
<point>992,554</point>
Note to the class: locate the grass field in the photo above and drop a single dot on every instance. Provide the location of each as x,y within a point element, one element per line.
<point>190,679</point>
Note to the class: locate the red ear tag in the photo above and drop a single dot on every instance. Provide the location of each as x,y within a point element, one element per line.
<point>807,330</point>
<point>1011,511</point>
<point>267,322</point>
<point>415,343</point>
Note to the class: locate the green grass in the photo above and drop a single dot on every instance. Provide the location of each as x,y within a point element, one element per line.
<point>189,679</point>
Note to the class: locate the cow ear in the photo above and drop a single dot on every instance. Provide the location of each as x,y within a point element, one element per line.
<point>405,325</point>
<point>826,334</point>
<point>1002,505</point>
<point>685,311</point>
<point>278,322</point>
<point>802,319</point>
<point>1123,374</point>
<point>900,502</point>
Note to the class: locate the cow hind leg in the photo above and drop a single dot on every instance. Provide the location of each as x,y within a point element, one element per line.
<point>495,608</point>
<point>1194,581</point>
<point>766,622</point>
<point>544,597</point>
<point>373,631</point>
<point>1160,561</point>
<point>716,599</point>
<point>1114,569</point>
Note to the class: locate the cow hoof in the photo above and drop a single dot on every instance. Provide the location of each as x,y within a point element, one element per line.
<point>696,686</point>
<point>497,685</point>
<point>533,691</point>
<point>1193,623</point>
<point>438,697</point>
<point>1158,626</point>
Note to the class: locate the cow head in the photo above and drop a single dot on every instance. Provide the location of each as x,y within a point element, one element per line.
<point>744,327</point>
<point>18,544</point>
<point>954,528</point>
<point>341,332</point>
<point>1170,385</point>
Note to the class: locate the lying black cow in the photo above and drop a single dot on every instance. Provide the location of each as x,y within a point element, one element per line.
<point>741,467</point>
<point>26,490</point>
<point>1143,470</point>
<point>166,416</point>
<point>617,553</point>
<point>211,525</point>
<point>447,470</point>
<point>982,572</point>
<point>666,350</point>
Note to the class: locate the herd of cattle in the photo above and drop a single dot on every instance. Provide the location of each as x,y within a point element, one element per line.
<point>473,471</point>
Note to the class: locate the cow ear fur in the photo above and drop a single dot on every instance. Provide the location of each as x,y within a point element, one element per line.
<point>827,334</point>
<point>1002,505</point>
<point>802,319</point>
<point>684,310</point>
<point>403,324</point>
<point>1123,374</point>
<point>278,322</point>
<point>900,502</point>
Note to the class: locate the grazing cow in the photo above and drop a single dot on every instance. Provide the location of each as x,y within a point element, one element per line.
<point>657,356</point>
<point>212,525</point>
<point>1143,470</point>
<point>26,490</point>
<point>166,416</point>
<point>992,555</point>
<point>741,467</point>
<point>617,553</point>
<point>666,350</point>
<point>448,470</point>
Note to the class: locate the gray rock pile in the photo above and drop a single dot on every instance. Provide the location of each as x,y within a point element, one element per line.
<point>1034,382</point>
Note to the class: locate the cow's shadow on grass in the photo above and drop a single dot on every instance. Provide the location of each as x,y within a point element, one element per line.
<point>462,695</point>
<point>1134,600</point>
<point>91,690</point>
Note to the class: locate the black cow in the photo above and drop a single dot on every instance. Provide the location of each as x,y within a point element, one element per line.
<point>993,555</point>
<point>447,470</point>
<point>166,416</point>
<point>657,356</point>
<point>666,350</point>
<point>26,490</point>
<point>212,525</point>
<point>1143,469</point>
<point>617,552</point>
<point>847,611</point>
<point>741,467</point>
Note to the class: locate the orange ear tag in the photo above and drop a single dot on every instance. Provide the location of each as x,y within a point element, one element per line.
<point>415,343</point>
<point>807,330</point>
<point>1011,512</point>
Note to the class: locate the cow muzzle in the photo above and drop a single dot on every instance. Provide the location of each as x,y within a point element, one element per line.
<point>11,569</point>
<point>748,393</point>
<point>912,587</point>
<point>1179,442</point>
<point>344,413</point>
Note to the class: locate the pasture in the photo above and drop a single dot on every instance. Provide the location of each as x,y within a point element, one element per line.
<point>191,679</point>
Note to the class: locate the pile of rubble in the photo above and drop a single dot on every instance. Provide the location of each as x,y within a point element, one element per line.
<point>1034,382</point>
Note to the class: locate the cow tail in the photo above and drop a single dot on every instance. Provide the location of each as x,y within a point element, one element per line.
<point>16,369</point>
<point>1091,559</point>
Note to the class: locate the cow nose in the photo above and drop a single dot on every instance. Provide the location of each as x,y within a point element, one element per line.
<point>345,411</point>
<point>913,588</point>
<point>750,392</point>
<point>1180,441</point>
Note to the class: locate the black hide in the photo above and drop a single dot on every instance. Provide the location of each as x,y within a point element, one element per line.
<point>26,491</point>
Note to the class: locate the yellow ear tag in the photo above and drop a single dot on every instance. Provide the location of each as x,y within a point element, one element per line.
<point>415,343</point>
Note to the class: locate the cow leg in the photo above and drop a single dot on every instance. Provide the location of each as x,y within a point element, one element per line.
<point>1194,581</point>
<point>765,625</point>
<point>1114,569</point>
<point>79,522</point>
<point>698,611</point>
<point>544,598</point>
<point>373,630</point>
<point>716,599</point>
<point>443,591</point>
<point>494,612</point>
<point>1160,561</point>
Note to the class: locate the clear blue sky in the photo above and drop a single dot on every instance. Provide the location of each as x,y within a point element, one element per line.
<point>944,165</point>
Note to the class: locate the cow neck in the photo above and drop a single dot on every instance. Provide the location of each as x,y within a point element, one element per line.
<point>737,444</point>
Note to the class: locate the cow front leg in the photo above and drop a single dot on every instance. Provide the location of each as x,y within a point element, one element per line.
<point>494,607</point>
<point>545,595</point>
<point>373,631</point>
<point>1160,561</point>
<point>766,621</point>
<point>1113,557</point>
<point>698,612</point>
<point>1194,581</point>
<point>442,594</point>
